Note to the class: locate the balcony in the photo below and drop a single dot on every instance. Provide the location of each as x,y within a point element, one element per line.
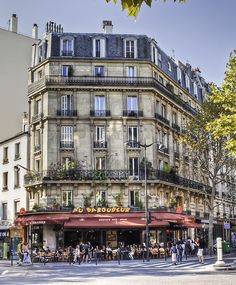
<point>162,119</point>
<point>106,81</point>
<point>163,150</point>
<point>5,160</point>
<point>37,117</point>
<point>67,113</point>
<point>66,145</point>
<point>133,144</point>
<point>17,156</point>
<point>100,144</point>
<point>100,113</point>
<point>121,174</point>
<point>176,127</point>
<point>132,113</point>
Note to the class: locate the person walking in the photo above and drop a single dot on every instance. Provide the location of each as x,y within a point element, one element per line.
<point>77,254</point>
<point>173,251</point>
<point>201,245</point>
<point>20,252</point>
<point>179,254</point>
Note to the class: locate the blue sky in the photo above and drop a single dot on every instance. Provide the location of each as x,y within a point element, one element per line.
<point>201,32</point>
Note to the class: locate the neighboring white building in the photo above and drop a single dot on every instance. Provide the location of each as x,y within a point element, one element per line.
<point>13,197</point>
<point>15,59</point>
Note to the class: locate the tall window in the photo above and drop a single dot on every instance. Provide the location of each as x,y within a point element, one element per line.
<point>4,211</point>
<point>5,154</point>
<point>99,71</point>
<point>159,60</point>
<point>66,198</point>
<point>157,107</point>
<point>17,177</point>
<point>17,150</point>
<point>101,198</point>
<point>100,105</point>
<point>16,207</point>
<point>131,71</point>
<point>67,48</point>
<point>179,75</point>
<point>37,107</point>
<point>37,165</point>
<point>37,141</point>
<point>133,136</point>
<point>134,198</point>
<point>195,88</point>
<point>5,180</point>
<point>130,49</point>
<point>67,136</point>
<point>154,54</point>
<point>99,47</point>
<point>163,111</point>
<point>100,139</point>
<point>133,166</point>
<point>169,66</point>
<point>187,80</point>
<point>66,70</point>
<point>174,118</point>
<point>132,104</point>
<point>100,163</point>
<point>66,105</point>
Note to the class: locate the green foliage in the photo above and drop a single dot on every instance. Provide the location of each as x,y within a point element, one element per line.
<point>102,202</point>
<point>133,6</point>
<point>168,168</point>
<point>223,125</point>
<point>35,207</point>
<point>100,175</point>
<point>138,203</point>
<point>88,199</point>
<point>119,199</point>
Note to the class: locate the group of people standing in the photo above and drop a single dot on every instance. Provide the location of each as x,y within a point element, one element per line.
<point>187,248</point>
<point>23,253</point>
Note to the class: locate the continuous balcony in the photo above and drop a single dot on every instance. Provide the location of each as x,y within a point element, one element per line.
<point>176,127</point>
<point>106,81</point>
<point>162,119</point>
<point>66,145</point>
<point>121,175</point>
<point>37,117</point>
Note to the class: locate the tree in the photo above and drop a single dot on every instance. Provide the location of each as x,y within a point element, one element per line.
<point>211,157</point>
<point>133,6</point>
<point>225,96</point>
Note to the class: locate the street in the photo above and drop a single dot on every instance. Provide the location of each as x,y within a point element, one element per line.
<point>127,273</point>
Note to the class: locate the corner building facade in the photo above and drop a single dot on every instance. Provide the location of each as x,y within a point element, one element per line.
<point>93,98</point>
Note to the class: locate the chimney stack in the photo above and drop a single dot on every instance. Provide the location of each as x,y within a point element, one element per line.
<point>107,27</point>
<point>13,23</point>
<point>35,32</point>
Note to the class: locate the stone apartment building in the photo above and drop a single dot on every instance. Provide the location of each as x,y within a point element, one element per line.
<point>94,101</point>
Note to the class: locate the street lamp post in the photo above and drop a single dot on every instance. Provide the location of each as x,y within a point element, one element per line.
<point>147,235</point>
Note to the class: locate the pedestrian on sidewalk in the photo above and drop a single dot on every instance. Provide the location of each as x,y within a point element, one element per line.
<point>179,254</point>
<point>173,251</point>
<point>201,245</point>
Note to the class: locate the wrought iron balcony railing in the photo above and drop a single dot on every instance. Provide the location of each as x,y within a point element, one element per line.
<point>133,144</point>
<point>67,113</point>
<point>100,144</point>
<point>162,119</point>
<point>176,127</point>
<point>66,144</point>
<point>132,113</point>
<point>37,117</point>
<point>100,113</point>
<point>120,174</point>
<point>147,82</point>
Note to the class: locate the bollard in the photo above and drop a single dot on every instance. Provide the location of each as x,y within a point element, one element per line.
<point>11,253</point>
<point>118,255</point>
<point>96,257</point>
<point>219,261</point>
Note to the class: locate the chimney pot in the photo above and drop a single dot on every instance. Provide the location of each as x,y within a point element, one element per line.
<point>107,27</point>
<point>13,23</point>
<point>35,31</point>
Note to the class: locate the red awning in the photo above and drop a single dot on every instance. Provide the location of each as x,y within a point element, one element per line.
<point>41,219</point>
<point>112,223</point>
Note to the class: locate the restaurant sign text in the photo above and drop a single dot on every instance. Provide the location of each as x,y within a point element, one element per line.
<point>102,210</point>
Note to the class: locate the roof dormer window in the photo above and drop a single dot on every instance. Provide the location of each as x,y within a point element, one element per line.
<point>67,47</point>
<point>99,47</point>
<point>130,48</point>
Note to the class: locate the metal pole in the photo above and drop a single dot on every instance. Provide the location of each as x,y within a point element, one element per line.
<point>146,204</point>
